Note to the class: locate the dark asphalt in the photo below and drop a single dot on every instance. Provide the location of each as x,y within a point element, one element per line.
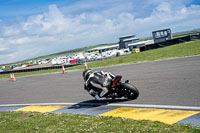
<point>167,82</point>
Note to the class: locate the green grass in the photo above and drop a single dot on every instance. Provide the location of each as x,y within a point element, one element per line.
<point>19,122</point>
<point>178,50</point>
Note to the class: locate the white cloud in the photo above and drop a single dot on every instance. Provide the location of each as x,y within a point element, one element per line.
<point>23,40</point>
<point>164,7</point>
<point>62,29</point>
<point>11,31</point>
<point>3,49</point>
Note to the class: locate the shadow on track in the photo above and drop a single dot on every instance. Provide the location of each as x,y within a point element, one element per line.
<point>95,103</point>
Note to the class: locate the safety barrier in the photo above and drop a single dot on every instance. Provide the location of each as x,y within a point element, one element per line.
<point>39,68</point>
<point>173,41</point>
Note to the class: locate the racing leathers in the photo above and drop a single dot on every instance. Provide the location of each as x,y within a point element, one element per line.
<point>97,84</point>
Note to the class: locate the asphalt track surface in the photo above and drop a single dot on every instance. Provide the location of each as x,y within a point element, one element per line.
<point>165,82</point>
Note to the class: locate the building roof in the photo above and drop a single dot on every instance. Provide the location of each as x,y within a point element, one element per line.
<point>127,36</point>
<point>161,30</point>
<point>129,39</point>
<point>147,42</point>
<point>104,47</point>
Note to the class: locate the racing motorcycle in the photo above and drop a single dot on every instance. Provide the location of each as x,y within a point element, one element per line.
<point>121,89</point>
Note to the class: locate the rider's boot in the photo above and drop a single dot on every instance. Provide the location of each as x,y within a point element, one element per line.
<point>103,92</point>
<point>97,97</point>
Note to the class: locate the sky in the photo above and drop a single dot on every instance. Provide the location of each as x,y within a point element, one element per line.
<point>32,28</point>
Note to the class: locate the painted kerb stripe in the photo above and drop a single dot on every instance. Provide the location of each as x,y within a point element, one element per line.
<point>164,115</point>
<point>40,108</point>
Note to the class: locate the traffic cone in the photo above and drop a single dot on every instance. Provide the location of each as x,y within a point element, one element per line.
<point>14,79</point>
<point>63,69</point>
<point>11,76</point>
<point>86,67</point>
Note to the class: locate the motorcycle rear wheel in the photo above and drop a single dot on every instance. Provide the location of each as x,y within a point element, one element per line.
<point>130,91</point>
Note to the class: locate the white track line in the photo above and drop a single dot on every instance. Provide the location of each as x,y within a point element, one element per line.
<point>158,106</point>
<point>112,104</point>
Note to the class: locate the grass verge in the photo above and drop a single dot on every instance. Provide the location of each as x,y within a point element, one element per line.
<point>19,122</point>
<point>178,50</point>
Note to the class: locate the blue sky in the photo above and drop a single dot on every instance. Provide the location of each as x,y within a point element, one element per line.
<point>31,28</point>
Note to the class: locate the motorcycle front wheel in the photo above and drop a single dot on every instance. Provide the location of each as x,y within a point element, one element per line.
<point>131,92</point>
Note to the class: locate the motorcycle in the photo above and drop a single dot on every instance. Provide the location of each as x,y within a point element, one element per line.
<point>120,89</point>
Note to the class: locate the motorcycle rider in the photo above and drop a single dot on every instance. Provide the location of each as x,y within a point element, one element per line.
<point>97,83</point>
